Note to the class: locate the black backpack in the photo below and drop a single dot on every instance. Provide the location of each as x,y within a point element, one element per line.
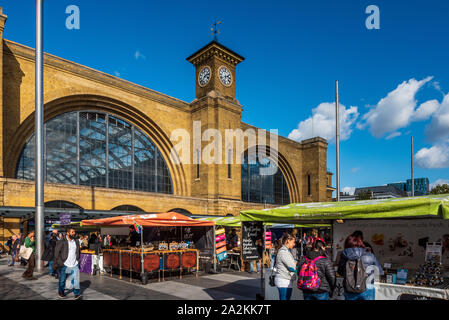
<point>355,276</point>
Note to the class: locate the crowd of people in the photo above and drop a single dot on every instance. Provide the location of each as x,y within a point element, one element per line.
<point>315,273</point>
<point>61,254</point>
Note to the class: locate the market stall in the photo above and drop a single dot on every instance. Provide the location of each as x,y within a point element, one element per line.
<point>399,229</point>
<point>169,243</point>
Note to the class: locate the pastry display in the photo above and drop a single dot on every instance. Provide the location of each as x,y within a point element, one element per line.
<point>428,275</point>
<point>173,245</point>
<point>163,246</point>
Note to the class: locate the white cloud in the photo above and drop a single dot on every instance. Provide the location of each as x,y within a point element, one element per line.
<point>117,74</point>
<point>438,182</point>
<point>322,123</point>
<point>355,170</point>
<point>349,190</point>
<point>438,129</point>
<point>426,110</point>
<point>393,135</point>
<point>397,109</point>
<point>138,55</point>
<point>433,158</point>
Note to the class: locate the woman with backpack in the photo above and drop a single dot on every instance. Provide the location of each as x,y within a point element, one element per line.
<point>317,275</point>
<point>285,268</point>
<point>358,266</point>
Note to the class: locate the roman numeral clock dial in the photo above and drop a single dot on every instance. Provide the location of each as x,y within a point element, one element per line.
<point>204,76</point>
<point>225,76</point>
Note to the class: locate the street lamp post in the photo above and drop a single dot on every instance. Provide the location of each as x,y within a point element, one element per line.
<point>337,135</point>
<point>39,150</point>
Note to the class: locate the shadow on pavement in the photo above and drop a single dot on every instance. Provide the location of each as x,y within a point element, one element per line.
<point>236,290</point>
<point>84,285</point>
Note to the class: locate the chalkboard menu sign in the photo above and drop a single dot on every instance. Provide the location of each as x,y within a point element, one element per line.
<point>252,233</point>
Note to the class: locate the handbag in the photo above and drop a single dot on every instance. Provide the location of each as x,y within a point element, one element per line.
<point>25,252</point>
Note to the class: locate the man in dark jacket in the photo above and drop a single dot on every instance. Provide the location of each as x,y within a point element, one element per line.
<point>133,237</point>
<point>15,249</point>
<point>49,253</point>
<point>66,261</point>
<point>325,271</point>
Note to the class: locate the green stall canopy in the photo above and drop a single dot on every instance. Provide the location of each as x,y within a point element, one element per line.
<point>75,225</point>
<point>223,221</point>
<point>236,222</point>
<point>321,212</point>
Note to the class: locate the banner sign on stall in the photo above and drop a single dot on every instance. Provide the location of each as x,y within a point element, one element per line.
<point>85,263</point>
<point>220,244</point>
<point>252,233</point>
<point>268,245</point>
<point>399,242</point>
<point>65,219</point>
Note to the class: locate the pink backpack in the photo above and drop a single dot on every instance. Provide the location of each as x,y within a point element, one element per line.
<point>308,276</point>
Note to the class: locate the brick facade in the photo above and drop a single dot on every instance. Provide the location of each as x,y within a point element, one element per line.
<point>69,87</point>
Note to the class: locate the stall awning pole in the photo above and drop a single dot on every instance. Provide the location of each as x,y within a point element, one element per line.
<point>262,278</point>
<point>215,252</point>
<point>141,246</point>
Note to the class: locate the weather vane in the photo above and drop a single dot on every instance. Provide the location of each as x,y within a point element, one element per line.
<point>215,31</point>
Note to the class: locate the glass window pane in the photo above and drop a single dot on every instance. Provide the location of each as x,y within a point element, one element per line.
<point>259,187</point>
<point>93,166</point>
<point>92,149</point>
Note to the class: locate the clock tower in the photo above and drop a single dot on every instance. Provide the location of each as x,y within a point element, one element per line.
<point>215,107</point>
<point>215,71</point>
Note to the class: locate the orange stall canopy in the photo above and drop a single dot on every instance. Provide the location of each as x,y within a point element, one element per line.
<point>169,219</point>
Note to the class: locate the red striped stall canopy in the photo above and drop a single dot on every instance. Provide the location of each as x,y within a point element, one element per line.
<point>169,219</point>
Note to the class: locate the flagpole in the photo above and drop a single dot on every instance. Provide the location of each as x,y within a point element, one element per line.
<point>39,124</point>
<point>413,178</point>
<point>337,126</point>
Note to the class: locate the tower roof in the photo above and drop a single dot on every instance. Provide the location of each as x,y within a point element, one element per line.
<point>215,48</point>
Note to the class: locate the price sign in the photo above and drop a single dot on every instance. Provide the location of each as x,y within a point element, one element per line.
<point>252,240</point>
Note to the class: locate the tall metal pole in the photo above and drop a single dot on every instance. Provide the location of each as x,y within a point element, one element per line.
<point>39,151</point>
<point>337,125</point>
<point>413,179</point>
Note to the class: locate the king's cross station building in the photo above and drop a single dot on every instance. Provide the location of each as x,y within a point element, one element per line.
<point>108,147</point>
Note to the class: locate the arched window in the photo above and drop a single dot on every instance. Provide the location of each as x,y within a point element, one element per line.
<point>61,204</point>
<point>99,150</point>
<point>181,211</point>
<point>263,188</point>
<point>127,208</point>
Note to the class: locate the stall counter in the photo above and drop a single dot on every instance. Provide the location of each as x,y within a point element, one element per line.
<point>387,291</point>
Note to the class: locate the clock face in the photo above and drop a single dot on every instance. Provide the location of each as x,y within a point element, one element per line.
<point>204,76</point>
<point>225,76</point>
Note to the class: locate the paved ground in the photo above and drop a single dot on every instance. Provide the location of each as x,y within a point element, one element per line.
<point>232,285</point>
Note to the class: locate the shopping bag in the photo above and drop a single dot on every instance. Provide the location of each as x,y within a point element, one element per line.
<point>25,252</point>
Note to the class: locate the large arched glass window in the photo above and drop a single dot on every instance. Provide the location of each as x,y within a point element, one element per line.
<point>260,187</point>
<point>99,150</point>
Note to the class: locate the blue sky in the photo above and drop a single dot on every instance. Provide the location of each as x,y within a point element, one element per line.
<point>392,81</point>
